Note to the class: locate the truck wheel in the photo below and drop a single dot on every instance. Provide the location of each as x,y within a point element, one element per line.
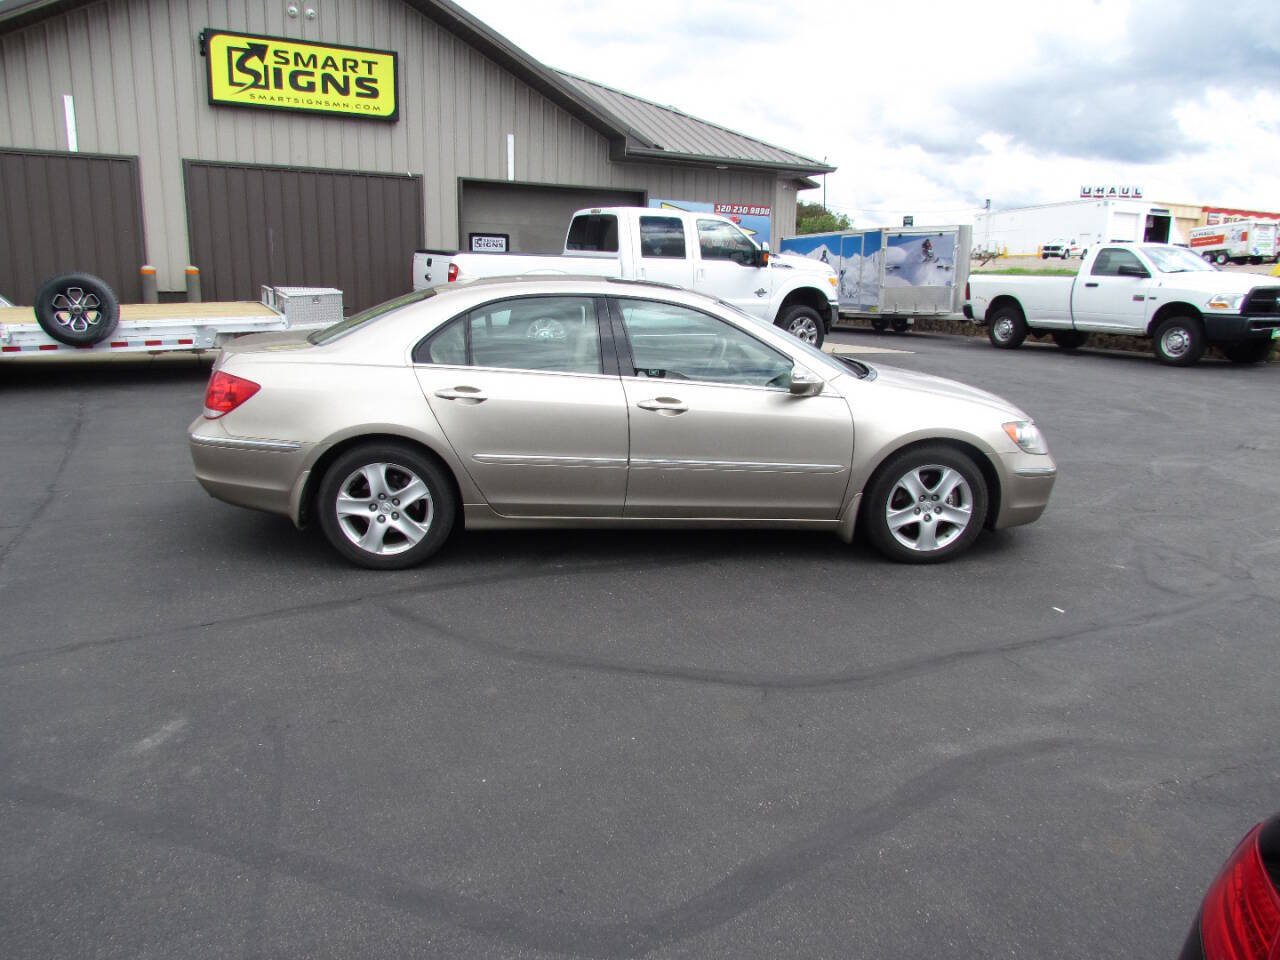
<point>803,323</point>
<point>1006,328</point>
<point>1250,351</point>
<point>1179,341</point>
<point>925,504</point>
<point>1066,254</point>
<point>1070,339</point>
<point>900,325</point>
<point>77,309</point>
<point>879,324</point>
<point>1208,256</point>
<point>1220,259</point>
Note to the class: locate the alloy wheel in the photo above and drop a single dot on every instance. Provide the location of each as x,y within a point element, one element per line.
<point>929,507</point>
<point>384,508</point>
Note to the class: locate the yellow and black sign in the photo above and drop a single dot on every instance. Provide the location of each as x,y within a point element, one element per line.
<point>273,73</point>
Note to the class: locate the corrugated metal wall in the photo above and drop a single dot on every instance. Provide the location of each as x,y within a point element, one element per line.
<point>64,212</point>
<point>255,225</point>
<point>139,84</point>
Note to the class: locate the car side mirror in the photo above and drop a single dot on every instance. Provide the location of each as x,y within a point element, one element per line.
<point>1129,270</point>
<point>804,383</point>
<point>760,258</point>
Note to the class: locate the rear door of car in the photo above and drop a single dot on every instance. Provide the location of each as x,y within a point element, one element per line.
<point>527,392</point>
<point>715,431</point>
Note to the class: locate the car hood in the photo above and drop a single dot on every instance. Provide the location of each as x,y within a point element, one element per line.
<point>1210,282</point>
<point>944,389</point>
<point>789,261</point>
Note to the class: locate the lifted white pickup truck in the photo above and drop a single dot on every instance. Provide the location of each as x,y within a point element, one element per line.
<point>1152,290</point>
<point>697,251</point>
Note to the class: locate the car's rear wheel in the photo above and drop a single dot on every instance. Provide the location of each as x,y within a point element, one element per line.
<point>1006,328</point>
<point>901,325</point>
<point>386,506</point>
<point>1251,351</point>
<point>803,323</point>
<point>1070,339</point>
<point>879,324</point>
<point>1179,341</point>
<point>926,504</point>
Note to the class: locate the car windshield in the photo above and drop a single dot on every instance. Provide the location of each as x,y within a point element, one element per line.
<point>833,364</point>
<point>1169,259</point>
<point>347,324</point>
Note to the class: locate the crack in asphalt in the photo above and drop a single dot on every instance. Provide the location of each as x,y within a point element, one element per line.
<point>741,889</point>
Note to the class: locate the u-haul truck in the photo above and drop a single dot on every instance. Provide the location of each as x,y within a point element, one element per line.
<point>1237,241</point>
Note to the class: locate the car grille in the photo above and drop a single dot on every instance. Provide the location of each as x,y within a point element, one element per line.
<point>1263,300</point>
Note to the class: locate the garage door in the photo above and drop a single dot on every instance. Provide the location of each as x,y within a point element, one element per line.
<point>254,225</point>
<point>62,212</point>
<point>535,217</point>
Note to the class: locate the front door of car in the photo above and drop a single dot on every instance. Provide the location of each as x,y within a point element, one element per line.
<point>1113,295</point>
<point>521,391</point>
<point>715,431</point>
<point>726,268</point>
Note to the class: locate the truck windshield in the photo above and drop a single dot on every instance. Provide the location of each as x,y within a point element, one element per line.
<point>1169,259</point>
<point>366,316</point>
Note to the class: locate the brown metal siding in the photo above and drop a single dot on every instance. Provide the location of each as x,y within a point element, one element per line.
<point>64,212</point>
<point>255,225</point>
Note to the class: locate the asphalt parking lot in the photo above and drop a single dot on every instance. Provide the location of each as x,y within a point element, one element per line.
<point>220,741</point>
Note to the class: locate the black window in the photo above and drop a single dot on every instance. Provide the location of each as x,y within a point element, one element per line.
<point>557,334</point>
<point>719,240</point>
<point>593,233</point>
<point>662,237</point>
<point>1111,259</point>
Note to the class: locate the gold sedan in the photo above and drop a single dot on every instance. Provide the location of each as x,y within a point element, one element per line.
<point>582,402</point>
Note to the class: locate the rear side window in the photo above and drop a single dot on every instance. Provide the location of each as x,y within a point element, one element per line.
<point>556,334</point>
<point>662,237</point>
<point>593,233</point>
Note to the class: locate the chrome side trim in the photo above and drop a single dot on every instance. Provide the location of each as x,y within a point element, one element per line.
<point>522,460</point>
<point>235,443</point>
<point>750,466</point>
<point>1037,471</point>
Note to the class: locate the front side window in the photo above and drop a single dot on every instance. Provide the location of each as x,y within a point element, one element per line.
<point>662,237</point>
<point>719,240</point>
<point>1111,259</point>
<point>676,343</point>
<point>593,233</point>
<point>547,334</point>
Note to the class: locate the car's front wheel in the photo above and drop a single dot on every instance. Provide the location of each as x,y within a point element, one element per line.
<point>925,504</point>
<point>1250,351</point>
<point>1179,341</point>
<point>386,506</point>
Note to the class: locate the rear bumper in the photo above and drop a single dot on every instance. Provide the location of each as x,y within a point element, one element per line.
<point>248,472</point>
<point>1237,327</point>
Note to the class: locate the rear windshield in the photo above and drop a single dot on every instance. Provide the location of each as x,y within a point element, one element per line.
<point>593,233</point>
<point>347,324</point>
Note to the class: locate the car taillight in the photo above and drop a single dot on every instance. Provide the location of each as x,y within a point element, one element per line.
<point>226,392</point>
<point>1240,919</point>
<point>453,272</point>
<point>966,290</point>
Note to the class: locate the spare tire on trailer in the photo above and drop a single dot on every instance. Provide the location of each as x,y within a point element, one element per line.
<point>77,309</point>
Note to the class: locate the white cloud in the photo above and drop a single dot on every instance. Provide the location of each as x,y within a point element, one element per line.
<point>928,108</point>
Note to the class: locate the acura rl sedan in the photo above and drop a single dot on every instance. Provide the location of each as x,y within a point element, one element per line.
<point>586,402</point>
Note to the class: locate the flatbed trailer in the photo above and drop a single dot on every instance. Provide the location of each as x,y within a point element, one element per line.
<point>170,327</point>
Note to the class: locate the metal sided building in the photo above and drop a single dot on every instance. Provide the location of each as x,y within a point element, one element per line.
<point>320,143</point>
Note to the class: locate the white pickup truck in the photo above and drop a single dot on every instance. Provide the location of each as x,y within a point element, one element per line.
<point>697,251</point>
<point>1152,290</point>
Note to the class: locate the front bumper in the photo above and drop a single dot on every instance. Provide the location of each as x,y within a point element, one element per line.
<point>1233,327</point>
<point>1025,487</point>
<point>258,473</point>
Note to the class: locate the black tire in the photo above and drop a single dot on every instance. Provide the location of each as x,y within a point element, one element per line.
<point>400,461</point>
<point>879,324</point>
<point>77,309</point>
<point>884,494</point>
<point>803,322</point>
<point>1006,328</point>
<point>900,325</point>
<point>1220,259</point>
<point>1248,351</point>
<point>1070,339</point>
<point>1179,341</point>
<point>1044,256</point>
<point>1066,254</point>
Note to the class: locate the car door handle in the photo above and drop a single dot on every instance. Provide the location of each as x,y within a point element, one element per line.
<point>669,406</point>
<point>469,394</point>
<point>1094,284</point>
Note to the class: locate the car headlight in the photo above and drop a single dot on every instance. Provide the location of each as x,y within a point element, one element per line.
<point>1226,301</point>
<point>1027,436</point>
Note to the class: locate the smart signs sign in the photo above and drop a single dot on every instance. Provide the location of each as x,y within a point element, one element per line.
<point>273,73</point>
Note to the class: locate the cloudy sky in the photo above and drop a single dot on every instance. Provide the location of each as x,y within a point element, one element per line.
<point>929,108</point>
